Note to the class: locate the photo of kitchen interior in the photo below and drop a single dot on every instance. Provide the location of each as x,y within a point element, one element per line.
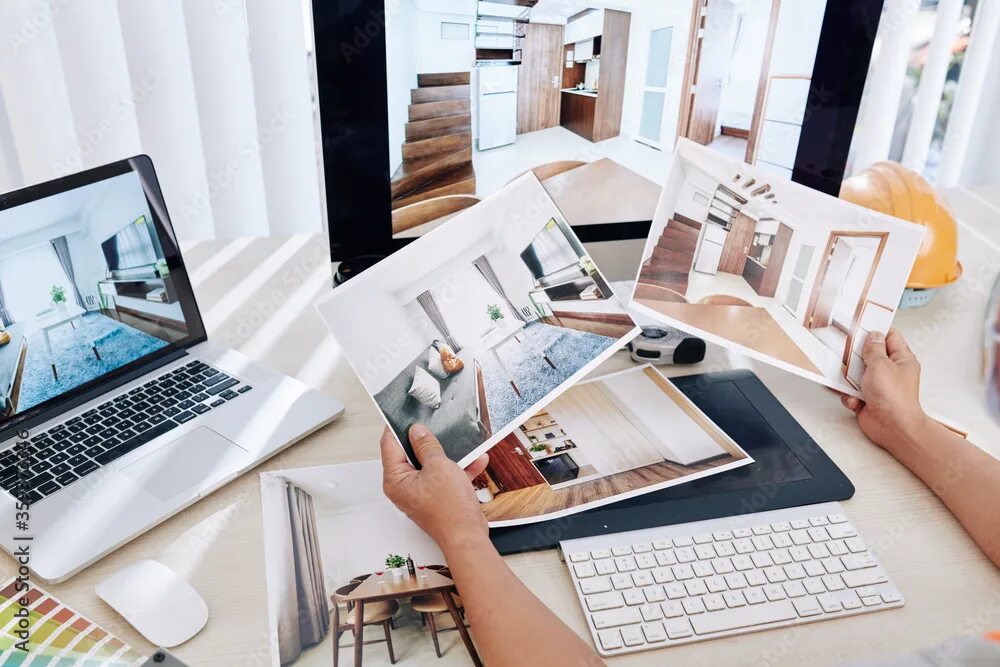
<point>590,95</point>
<point>748,258</point>
<point>602,440</point>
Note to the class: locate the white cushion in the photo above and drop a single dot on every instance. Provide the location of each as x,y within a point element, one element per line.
<point>434,364</point>
<point>425,388</point>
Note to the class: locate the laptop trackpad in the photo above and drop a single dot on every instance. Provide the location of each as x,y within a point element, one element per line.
<point>200,455</point>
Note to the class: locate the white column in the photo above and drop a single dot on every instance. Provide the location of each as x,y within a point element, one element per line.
<point>223,81</point>
<point>159,64</point>
<point>97,80</point>
<point>972,81</point>
<point>928,98</point>
<point>284,115</point>
<point>31,77</point>
<point>885,82</point>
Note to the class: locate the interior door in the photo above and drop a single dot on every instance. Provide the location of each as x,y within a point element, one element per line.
<point>540,77</point>
<point>654,91</point>
<point>511,467</point>
<point>838,264</point>
<point>710,55</point>
<point>737,245</point>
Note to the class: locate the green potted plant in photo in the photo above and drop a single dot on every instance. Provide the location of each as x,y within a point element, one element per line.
<point>539,448</point>
<point>395,564</point>
<point>58,297</point>
<point>493,310</point>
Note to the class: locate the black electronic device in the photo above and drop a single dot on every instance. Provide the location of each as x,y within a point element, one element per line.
<point>405,90</point>
<point>789,469</point>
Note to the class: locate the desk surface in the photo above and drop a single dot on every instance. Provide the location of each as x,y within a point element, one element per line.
<point>257,295</point>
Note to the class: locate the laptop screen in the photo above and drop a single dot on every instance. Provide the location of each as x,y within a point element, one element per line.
<point>91,286</point>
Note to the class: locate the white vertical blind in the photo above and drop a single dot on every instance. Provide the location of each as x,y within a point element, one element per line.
<point>95,69</point>
<point>284,115</point>
<point>216,93</point>
<point>31,77</point>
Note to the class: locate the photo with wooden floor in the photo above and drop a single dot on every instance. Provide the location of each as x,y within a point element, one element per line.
<point>601,441</point>
<point>790,275</point>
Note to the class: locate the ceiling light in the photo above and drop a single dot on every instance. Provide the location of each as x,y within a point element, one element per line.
<point>749,183</point>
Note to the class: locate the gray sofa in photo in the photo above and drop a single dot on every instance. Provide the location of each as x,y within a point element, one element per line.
<point>461,422</point>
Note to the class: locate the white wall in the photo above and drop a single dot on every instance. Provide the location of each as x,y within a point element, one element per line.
<point>646,18</point>
<point>401,71</point>
<point>444,55</point>
<point>797,36</point>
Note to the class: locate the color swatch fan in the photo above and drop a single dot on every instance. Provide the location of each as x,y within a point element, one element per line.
<point>57,635</point>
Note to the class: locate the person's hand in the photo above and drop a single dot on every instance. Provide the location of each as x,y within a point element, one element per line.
<point>439,498</point>
<point>891,387</point>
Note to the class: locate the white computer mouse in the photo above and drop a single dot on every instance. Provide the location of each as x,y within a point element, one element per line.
<point>156,601</point>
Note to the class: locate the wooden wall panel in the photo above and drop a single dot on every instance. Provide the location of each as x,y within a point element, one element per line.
<point>511,470</point>
<point>734,251</point>
<point>611,82</point>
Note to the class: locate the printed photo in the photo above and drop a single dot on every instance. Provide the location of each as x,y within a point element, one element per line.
<point>791,276</point>
<point>332,540</point>
<point>475,326</point>
<point>602,440</point>
<point>84,290</point>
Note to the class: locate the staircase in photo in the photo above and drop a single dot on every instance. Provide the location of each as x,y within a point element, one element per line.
<point>670,263</point>
<point>437,153</point>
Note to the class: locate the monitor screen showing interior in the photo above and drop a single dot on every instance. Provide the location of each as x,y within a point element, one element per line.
<point>85,290</point>
<point>590,95</point>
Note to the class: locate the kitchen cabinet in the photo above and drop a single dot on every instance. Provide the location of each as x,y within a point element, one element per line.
<point>577,114</point>
<point>584,50</point>
<point>585,25</point>
<point>763,276</point>
<point>599,118</point>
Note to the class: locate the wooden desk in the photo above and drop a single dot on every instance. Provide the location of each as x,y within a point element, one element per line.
<point>373,590</point>
<point>257,295</point>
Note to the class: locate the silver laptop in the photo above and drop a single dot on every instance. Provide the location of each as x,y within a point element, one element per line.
<point>116,411</point>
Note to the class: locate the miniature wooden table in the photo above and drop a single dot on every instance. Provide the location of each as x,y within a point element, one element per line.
<point>371,590</point>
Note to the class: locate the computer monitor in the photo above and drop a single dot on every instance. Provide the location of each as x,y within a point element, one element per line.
<point>427,106</point>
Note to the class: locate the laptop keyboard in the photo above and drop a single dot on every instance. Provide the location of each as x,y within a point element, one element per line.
<point>77,447</point>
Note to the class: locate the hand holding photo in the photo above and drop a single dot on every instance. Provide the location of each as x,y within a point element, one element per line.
<point>472,328</point>
<point>791,276</point>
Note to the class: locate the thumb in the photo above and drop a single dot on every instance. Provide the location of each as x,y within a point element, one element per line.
<point>874,349</point>
<point>425,446</point>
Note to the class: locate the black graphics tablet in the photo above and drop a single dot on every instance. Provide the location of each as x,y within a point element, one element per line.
<point>789,470</point>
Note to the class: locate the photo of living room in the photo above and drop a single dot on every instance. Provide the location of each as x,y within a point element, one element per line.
<point>476,323</point>
<point>84,290</point>
<point>794,276</point>
<point>601,441</point>
<point>589,95</point>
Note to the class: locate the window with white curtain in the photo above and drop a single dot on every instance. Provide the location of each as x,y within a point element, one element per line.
<point>219,94</point>
<point>26,298</point>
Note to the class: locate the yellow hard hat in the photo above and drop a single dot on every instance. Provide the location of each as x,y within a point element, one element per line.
<point>891,188</point>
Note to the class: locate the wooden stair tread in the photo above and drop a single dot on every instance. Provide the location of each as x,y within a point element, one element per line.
<point>427,110</point>
<point>461,180</point>
<point>446,143</point>
<point>434,208</point>
<point>439,93</point>
<point>432,79</point>
<point>411,174</point>
<point>436,127</point>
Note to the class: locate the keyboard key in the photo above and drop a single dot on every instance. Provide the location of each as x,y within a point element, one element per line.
<point>833,582</point>
<point>584,570</point>
<point>245,388</point>
<point>612,618</point>
<point>604,566</point>
<point>38,480</point>
<point>634,597</point>
<point>621,581</point>
<point>625,563</point>
<point>818,521</point>
<point>632,636</point>
<point>677,628</point>
<point>752,595</point>
<point>77,460</point>
<point>651,612</point>
<point>743,617</point>
<point>858,561</point>
<point>867,577</point>
<point>714,602</point>
<point>642,548</point>
<point>837,518</point>
<point>794,589</point>
<point>683,541</point>
<point>671,609</point>
<point>829,603</point>
<point>85,468</point>
<point>702,538</point>
<point>48,488</point>
<point>642,578</point>
<point>66,478</point>
<point>610,639</point>
<point>595,585</point>
<point>579,557</point>
<point>217,402</point>
<point>184,417</point>
<point>807,606</point>
<point>59,469</point>
<point>222,386</point>
<point>654,632</point>
<point>702,569</point>
<point>645,561</point>
<point>693,606</point>
<point>605,601</point>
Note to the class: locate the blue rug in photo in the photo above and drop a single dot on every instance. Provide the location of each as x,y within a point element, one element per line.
<point>118,343</point>
<point>569,349</point>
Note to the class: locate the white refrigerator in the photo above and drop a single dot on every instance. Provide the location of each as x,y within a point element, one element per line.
<point>496,100</point>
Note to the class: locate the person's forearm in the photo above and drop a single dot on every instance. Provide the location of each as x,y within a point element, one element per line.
<point>511,626</point>
<point>962,475</point>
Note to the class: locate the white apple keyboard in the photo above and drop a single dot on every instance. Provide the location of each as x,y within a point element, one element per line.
<point>673,585</point>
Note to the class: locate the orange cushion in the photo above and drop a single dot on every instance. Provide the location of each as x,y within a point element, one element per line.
<point>451,363</point>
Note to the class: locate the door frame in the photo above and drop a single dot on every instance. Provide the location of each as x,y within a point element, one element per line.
<point>688,88</point>
<point>821,276</point>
